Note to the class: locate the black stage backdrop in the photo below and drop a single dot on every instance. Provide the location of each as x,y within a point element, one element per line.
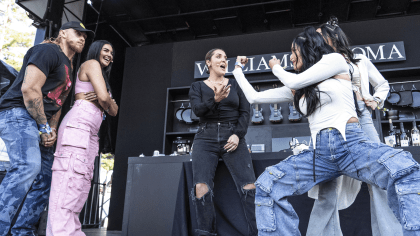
<point>150,70</point>
<point>147,74</point>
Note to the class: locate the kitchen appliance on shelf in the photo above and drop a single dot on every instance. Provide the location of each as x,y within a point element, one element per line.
<point>183,146</point>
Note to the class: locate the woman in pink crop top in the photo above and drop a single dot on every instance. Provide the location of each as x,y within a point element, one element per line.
<point>77,142</point>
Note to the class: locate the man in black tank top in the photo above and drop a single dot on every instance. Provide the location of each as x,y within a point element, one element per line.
<point>29,114</point>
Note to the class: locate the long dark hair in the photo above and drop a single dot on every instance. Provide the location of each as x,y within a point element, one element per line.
<point>312,47</point>
<point>331,30</point>
<point>95,53</point>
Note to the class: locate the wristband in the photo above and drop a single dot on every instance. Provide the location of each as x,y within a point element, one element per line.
<point>377,100</point>
<point>239,64</point>
<point>44,128</point>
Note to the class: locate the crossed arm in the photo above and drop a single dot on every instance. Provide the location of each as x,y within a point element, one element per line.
<point>93,71</point>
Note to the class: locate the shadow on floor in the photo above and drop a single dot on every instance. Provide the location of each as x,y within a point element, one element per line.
<point>101,232</point>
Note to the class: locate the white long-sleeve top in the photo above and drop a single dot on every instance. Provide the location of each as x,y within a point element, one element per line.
<point>369,74</point>
<point>337,102</point>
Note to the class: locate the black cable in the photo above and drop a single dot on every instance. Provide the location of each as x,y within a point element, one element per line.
<point>97,21</point>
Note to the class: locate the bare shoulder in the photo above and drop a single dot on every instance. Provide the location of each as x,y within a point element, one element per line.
<point>91,64</point>
<point>87,68</point>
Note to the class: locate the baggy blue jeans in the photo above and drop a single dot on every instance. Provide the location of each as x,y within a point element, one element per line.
<point>29,174</point>
<point>374,163</point>
<point>324,220</point>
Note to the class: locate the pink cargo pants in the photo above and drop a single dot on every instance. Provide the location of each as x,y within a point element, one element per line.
<point>77,147</point>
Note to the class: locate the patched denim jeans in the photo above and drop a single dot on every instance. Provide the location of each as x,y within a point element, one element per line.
<point>324,220</point>
<point>4,166</point>
<point>208,148</point>
<point>29,173</point>
<point>374,163</point>
<point>77,147</point>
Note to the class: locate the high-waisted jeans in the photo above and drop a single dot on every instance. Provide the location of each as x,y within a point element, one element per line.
<point>29,173</point>
<point>324,220</point>
<point>208,148</point>
<point>374,163</point>
<point>77,147</point>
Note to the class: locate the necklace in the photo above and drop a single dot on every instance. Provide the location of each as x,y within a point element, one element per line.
<point>221,83</point>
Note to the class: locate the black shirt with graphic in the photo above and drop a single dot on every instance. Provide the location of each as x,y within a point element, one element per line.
<point>57,68</point>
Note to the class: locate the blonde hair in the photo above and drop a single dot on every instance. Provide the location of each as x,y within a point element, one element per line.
<point>53,40</point>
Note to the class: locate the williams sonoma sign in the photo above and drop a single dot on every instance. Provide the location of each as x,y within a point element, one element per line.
<point>381,52</point>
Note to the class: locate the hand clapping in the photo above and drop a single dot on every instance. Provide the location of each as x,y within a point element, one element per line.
<point>220,94</point>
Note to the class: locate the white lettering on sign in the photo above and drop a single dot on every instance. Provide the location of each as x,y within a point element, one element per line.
<point>227,66</point>
<point>262,62</point>
<point>395,50</point>
<point>201,70</point>
<point>251,63</point>
<point>380,51</point>
<point>284,59</point>
<point>377,53</point>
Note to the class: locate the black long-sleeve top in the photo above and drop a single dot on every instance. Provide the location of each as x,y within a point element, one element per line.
<point>235,108</point>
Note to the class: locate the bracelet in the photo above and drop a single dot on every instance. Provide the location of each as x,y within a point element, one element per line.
<point>239,64</point>
<point>44,128</point>
<point>107,110</point>
<point>377,100</point>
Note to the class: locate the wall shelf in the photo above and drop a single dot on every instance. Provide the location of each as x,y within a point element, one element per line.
<point>266,132</point>
<point>382,123</point>
<point>398,121</point>
<point>261,134</point>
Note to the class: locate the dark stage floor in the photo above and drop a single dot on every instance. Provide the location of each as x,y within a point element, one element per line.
<point>101,232</point>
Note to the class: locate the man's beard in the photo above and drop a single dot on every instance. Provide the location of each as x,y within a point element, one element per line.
<point>75,47</point>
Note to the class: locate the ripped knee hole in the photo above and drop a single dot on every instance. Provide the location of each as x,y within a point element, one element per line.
<point>249,186</point>
<point>200,190</point>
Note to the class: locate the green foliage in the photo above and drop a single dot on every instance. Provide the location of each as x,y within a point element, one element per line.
<point>107,161</point>
<point>18,39</point>
<point>14,38</point>
<point>15,64</point>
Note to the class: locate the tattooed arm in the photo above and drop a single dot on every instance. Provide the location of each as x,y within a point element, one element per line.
<point>32,95</point>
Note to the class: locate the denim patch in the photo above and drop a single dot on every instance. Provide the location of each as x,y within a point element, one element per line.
<point>398,163</point>
<point>264,210</point>
<point>266,179</point>
<point>409,197</point>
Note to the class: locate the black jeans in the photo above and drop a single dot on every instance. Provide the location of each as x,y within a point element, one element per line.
<point>207,149</point>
